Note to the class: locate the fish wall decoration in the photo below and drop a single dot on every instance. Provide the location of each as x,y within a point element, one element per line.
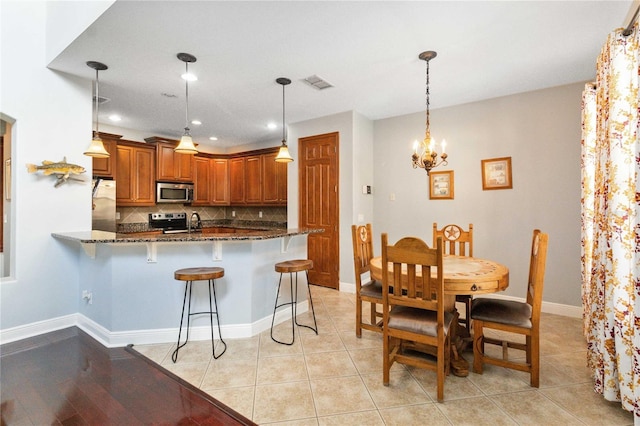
<point>62,170</point>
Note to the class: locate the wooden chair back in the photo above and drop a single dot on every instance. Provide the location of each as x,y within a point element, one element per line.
<point>412,261</point>
<point>537,267</point>
<point>456,240</point>
<point>362,247</point>
<point>369,291</point>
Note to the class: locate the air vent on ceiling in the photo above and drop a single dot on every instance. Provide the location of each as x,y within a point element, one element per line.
<point>318,82</point>
<point>101,100</point>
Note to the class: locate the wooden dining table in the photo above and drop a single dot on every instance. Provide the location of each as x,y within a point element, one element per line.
<point>462,275</point>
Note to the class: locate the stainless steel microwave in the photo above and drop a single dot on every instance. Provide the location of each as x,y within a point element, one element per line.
<point>174,192</point>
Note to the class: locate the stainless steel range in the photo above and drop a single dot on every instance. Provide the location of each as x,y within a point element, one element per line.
<point>170,223</point>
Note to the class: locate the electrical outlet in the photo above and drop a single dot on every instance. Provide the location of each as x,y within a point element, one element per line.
<point>87,296</point>
<point>233,213</point>
<point>259,214</point>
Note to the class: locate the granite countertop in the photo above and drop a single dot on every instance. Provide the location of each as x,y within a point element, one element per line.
<point>86,237</point>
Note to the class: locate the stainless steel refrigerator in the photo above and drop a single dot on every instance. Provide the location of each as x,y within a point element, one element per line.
<point>104,205</point>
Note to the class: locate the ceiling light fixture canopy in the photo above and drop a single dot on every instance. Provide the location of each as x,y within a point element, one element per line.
<point>96,148</point>
<point>186,145</point>
<point>283,155</point>
<point>427,158</point>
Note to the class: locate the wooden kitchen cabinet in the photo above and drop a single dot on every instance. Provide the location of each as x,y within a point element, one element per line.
<point>211,181</point>
<point>170,165</point>
<point>135,163</point>
<point>105,167</point>
<point>253,179</point>
<point>246,177</point>
<point>274,180</point>
<point>219,168</point>
<point>257,180</point>
<point>236,180</point>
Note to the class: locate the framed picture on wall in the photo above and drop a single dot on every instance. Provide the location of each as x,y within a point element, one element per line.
<point>496,173</point>
<point>441,185</point>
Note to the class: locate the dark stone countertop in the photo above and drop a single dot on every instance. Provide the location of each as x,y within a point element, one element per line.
<point>88,237</point>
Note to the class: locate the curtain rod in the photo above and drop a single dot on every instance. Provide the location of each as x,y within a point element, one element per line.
<point>627,30</point>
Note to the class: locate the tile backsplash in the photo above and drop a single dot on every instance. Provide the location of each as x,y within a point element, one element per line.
<point>131,215</point>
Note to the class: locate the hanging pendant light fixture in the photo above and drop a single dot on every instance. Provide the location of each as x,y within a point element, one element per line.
<point>186,145</point>
<point>427,158</point>
<point>96,148</point>
<point>283,155</point>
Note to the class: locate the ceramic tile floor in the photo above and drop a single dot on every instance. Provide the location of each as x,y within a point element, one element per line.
<point>335,378</point>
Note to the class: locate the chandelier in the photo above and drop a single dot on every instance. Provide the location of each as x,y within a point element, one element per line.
<point>424,154</point>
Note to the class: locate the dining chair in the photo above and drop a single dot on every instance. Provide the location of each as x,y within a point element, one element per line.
<point>459,242</point>
<point>415,319</point>
<point>514,317</point>
<point>371,290</point>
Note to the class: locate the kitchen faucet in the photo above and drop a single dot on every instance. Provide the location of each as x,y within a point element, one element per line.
<point>198,222</point>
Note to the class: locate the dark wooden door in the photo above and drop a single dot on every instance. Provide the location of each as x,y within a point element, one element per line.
<point>319,207</point>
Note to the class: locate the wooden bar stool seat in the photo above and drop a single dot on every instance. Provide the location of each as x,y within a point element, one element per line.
<point>291,267</point>
<point>190,275</point>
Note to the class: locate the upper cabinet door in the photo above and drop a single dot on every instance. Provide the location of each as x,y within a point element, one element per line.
<point>236,176</point>
<point>219,169</point>
<point>253,180</point>
<point>274,180</point>
<point>202,182</point>
<point>170,165</point>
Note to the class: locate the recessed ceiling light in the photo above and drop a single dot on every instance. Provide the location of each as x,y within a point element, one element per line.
<point>115,117</point>
<point>213,138</point>
<point>196,122</point>
<point>272,126</point>
<point>189,77</point>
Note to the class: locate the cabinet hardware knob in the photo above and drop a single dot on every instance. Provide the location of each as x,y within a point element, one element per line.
<point>474,287</point>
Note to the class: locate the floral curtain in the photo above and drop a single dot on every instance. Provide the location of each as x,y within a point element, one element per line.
<point>611,221</point>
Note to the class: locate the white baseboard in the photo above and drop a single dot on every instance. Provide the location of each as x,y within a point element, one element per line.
<point>113,339</point>
<point>37,328</point>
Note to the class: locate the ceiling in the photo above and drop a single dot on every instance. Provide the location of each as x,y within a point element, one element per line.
<point>367,50</point>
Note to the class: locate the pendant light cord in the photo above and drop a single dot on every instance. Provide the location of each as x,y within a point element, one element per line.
<point>428,132</point>
<point>186,126</point>
<point>97,103</point>
<point>284,138</point>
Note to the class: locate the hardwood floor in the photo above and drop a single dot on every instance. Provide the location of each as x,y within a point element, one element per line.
<point>68,378</point>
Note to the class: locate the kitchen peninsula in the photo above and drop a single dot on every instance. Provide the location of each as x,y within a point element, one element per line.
<point>130,295</point>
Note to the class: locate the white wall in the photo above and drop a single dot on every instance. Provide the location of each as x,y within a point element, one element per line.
<point>350,126</point>
<point>541,132</point>
<point>53,120</point>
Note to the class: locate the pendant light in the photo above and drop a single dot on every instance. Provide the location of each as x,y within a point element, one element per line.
<point>186,145</point>
<point>283,155</point>
<point>96,149</point>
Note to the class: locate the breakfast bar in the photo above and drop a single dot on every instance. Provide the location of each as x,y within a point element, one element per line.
<point>129,295</point>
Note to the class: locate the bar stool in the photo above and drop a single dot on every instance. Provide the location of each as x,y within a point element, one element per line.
<point>292,266</point>
<point>199,274</point>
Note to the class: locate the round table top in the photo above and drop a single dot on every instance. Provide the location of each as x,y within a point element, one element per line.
<point>464,275</point>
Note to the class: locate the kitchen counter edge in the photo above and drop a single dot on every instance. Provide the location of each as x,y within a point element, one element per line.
<point>90,237</point>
